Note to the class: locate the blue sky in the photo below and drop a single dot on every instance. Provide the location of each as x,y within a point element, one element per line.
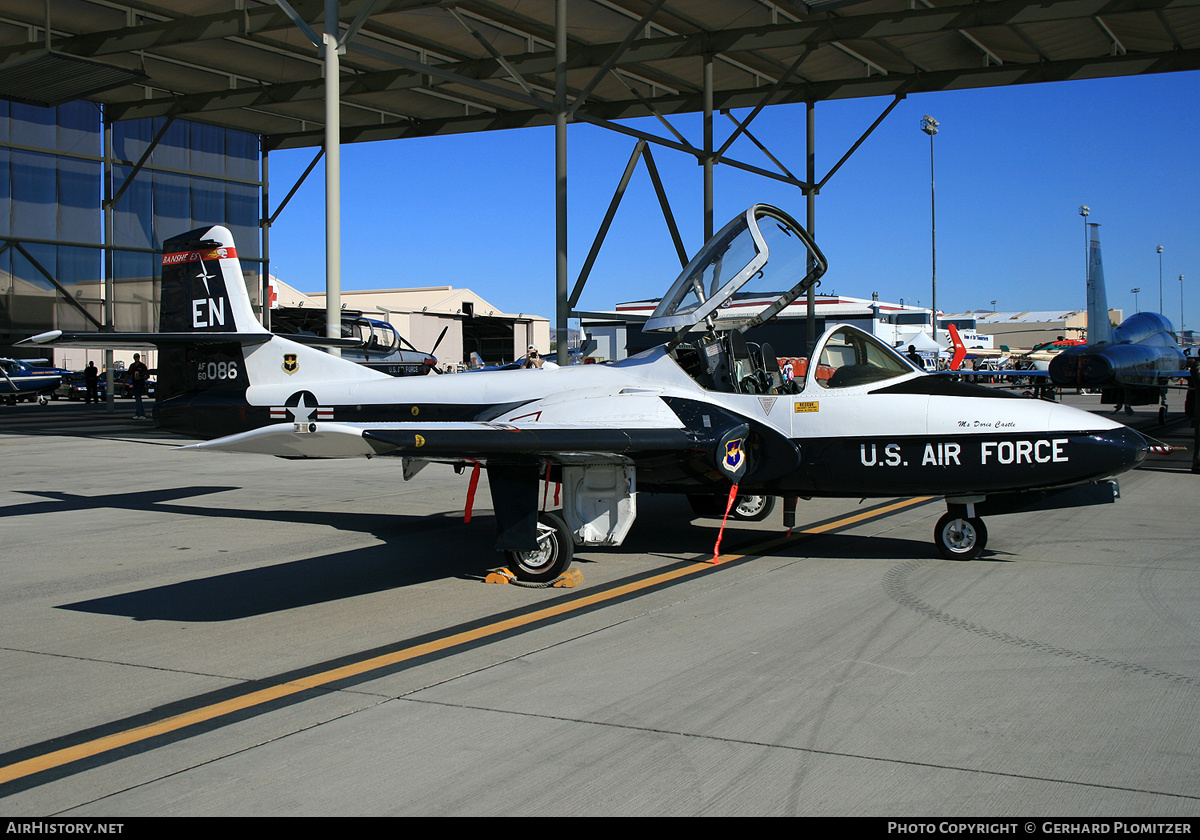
<point>1012,167</point>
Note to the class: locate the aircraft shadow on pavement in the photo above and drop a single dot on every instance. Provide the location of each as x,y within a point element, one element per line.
<point>409,557</point>
<point>412,550</point>
<point>56,501</point>
<point>424,557</point>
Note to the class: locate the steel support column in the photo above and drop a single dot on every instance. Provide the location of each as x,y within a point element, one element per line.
<point>264,227</point>
<point>708,147</point>
<point>811,219</point>
<point>109,263</point>
<point>333,177</point>
<point>561,307</point>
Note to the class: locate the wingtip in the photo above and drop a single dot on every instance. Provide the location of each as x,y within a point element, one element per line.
<point>42,338</point>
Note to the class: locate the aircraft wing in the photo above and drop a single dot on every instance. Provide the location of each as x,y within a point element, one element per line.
<point>457,441</point>
<point>1172,374</point>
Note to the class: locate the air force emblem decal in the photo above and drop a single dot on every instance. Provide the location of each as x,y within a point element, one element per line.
<point>290,365</point>
<point>734,456</point>
<point>730,456</point>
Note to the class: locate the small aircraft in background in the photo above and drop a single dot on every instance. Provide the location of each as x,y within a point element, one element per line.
<point>369,342</point>
<point>705,414</point>
<point>1132,364</point>
<point>476,364</point>
<point>21,380</point>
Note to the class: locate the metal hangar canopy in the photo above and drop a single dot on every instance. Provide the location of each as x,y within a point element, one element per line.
<point>414,68</point>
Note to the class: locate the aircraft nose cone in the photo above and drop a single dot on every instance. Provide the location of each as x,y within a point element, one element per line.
<point>1124,449</point>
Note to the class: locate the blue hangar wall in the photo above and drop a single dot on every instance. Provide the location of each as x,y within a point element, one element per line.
<point>52,244</point>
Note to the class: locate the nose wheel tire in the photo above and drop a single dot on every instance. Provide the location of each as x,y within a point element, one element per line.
<point>753,508</point>
<point>960,538</point>
<point>550,559</point>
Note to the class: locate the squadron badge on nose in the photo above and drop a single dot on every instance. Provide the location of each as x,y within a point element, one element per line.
<point>290,365</point>
<point>733,455</point>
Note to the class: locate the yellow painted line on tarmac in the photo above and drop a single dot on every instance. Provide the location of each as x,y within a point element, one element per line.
<point>845,521</point>
<point>116,740</point>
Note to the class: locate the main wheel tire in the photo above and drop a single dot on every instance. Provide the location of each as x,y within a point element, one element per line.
<point>753,508</point>
<point>550,559</point>
<point>960,538</point>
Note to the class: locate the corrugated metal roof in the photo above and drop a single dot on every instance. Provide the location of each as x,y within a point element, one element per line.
<point>50,78</point>
<point>1044,316</point>
<point>418,68</point>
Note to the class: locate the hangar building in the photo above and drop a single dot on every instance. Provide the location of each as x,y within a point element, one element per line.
<point>472,324</point>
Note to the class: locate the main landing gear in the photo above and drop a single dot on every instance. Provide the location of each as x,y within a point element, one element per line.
<point>753,508</point>
<point>550,559</point>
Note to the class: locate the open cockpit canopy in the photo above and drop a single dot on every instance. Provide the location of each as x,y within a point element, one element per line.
<point>755,266</point>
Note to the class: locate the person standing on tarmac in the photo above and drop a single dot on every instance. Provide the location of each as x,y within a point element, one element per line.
<point>138,374</point>
<point>91,381</point>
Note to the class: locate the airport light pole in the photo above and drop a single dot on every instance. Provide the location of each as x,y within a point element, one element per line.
<point>1160,305</point>
<point>1181,307</point>
<point>1084,210</point>
<point>1135,294</point>
<point>930,126</point>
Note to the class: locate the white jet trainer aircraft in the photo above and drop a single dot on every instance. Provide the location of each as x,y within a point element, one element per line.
<point>706,414</point>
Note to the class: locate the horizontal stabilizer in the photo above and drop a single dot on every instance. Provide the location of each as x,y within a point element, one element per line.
<point>141,341</point>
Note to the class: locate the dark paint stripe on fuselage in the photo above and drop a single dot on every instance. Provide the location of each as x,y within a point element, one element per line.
<point>943,465</point>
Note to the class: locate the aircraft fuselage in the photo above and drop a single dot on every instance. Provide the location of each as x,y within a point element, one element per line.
<point>942,437</point>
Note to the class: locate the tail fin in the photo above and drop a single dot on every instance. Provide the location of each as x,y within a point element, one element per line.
<point>960,349</point>
<point>1099,327</point>
<point>203,289</point>
<point>204,295</point>
<point>212,348</point>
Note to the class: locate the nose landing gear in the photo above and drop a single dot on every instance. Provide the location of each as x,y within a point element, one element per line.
<point>960,538</point>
